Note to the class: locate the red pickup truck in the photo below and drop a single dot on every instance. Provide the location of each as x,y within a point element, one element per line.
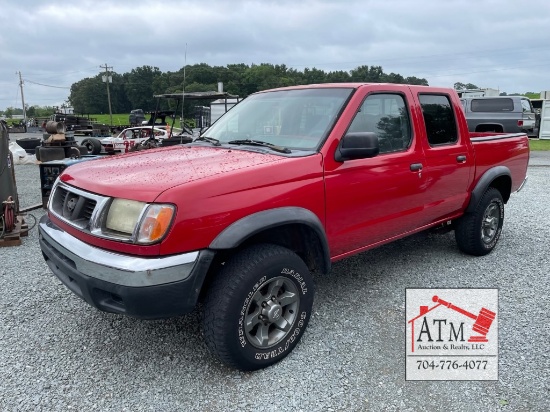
<point>287,182</point>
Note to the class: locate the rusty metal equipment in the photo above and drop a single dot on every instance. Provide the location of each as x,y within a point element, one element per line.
<point>12,223</point>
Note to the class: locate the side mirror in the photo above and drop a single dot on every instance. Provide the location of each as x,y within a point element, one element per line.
<point>357,145</point>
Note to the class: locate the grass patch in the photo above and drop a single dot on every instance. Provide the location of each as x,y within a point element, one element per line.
<point>539,145</point>
<point>119,119</point>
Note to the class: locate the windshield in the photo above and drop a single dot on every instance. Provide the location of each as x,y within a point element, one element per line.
<point>294,119</point>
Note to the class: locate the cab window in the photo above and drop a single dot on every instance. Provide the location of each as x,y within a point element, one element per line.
<point>387,116</point>
<point>439,119</point>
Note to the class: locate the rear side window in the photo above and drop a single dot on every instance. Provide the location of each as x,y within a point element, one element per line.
<point>439,119</point>
<point>492,105</point>
<point>526,106</point>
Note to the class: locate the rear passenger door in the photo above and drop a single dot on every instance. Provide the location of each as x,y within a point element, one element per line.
<point>448,164</point>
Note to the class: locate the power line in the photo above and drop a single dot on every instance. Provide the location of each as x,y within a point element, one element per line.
<point>47,85</point>
<point>58,74</point>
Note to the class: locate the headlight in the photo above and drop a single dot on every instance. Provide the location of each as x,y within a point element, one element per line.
<point>123,215</point>
<point>140,222</point>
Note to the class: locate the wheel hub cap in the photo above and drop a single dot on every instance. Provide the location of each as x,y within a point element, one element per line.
<point>272,312</point>
<point>490,223</point>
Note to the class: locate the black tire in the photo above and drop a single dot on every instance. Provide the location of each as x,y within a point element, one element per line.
<point>83,150</point>
<point>477,233</point>
<point>172,141</point>
<point>71,151</point>
<point>74,151</point>
<point>51,153</point>
<point>270,287</point>
<point>29,143</point>
<point>93,145</point>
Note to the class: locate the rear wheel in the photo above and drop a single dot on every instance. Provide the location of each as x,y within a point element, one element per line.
<point>258,307</point>
<point>93,145</point>
<point>477,232</point>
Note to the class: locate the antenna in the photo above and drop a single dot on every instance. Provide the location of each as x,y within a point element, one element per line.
<point>183,88</point>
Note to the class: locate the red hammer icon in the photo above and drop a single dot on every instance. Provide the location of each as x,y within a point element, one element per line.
<point>482,323</point>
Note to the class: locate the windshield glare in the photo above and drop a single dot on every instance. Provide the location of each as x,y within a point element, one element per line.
<point>296,119</point>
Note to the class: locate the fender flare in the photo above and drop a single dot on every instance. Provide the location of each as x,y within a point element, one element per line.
<point>236,233</point>
<point>484,182</point>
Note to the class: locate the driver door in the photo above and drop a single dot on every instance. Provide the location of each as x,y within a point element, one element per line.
<point>372,200</point>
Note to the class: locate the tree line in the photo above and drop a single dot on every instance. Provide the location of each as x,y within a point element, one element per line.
<point>135,89</point>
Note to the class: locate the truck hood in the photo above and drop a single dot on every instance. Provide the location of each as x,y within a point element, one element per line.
<point>146,174</point>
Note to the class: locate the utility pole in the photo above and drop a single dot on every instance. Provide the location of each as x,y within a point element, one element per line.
<point>23,99</point>
<point>107,78</point>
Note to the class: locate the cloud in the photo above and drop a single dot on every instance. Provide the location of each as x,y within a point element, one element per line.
<point>489,43</point>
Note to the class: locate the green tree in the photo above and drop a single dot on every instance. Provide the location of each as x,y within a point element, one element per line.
<point>393,78</point>
<point>313,76</point>
<point>360,74</point>
<point>140,87</point>
<point>89,95</point>
<point>338,77</point>
<point>136,89</point>
<point>462,86</point>
<point>417,81</point>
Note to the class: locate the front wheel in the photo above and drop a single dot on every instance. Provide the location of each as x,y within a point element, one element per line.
<point>477,232</point>
<point>258,307</point>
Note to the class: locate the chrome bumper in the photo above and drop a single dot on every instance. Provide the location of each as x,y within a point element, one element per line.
<point>111,267</point>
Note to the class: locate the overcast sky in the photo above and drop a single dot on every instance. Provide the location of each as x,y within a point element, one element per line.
<point>502,44</point>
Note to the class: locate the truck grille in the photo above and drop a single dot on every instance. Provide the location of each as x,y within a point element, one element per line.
<point>76,207</point>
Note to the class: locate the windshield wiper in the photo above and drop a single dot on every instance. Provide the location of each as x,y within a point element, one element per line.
<point>215,142</point>
<point>260,143</point>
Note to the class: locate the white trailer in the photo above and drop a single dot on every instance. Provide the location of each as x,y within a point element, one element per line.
<point>220,106</point>
<point>544,126</point>
<point>487,92</point>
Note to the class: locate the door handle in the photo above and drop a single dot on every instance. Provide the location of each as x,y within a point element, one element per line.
<point>461,158</point>
<point>416,166</point>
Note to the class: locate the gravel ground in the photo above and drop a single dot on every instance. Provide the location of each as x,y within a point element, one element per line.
<point>58,353</point>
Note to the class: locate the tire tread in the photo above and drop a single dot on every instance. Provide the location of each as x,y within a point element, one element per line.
<point>467,230</point>
<point>223,293</point>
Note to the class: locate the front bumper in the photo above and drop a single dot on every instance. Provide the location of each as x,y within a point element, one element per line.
<point>149,288</point>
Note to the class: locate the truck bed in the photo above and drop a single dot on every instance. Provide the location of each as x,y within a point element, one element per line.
<point>509,150</point>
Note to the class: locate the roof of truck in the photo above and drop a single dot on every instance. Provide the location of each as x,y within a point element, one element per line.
<point>196,95</point>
